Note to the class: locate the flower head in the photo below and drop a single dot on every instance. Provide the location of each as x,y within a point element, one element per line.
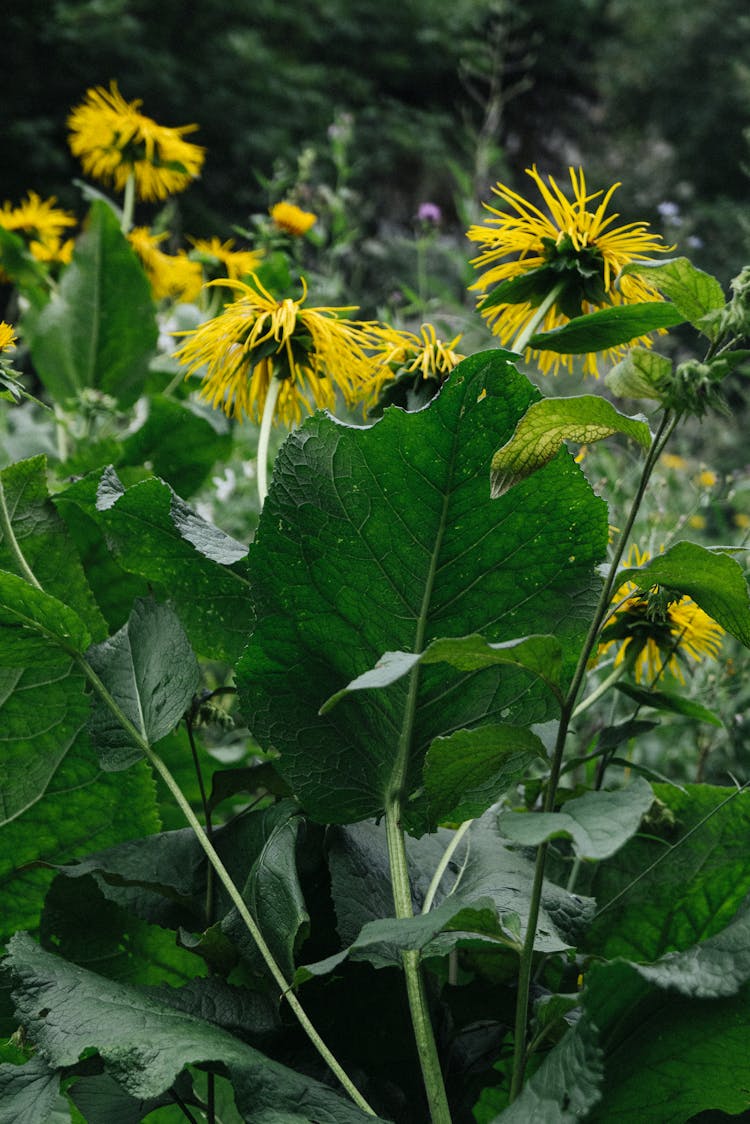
<point>42,225</point>
<point>430,214</point>
<point>7,336</point>
<point>403,360</point>
<point>216,255</point>
<point>114,141</point>
<point>528,252</point>
<point>292,219</point>
<point>257,338</point>
<point>657,628</point>
<point>172,276</point>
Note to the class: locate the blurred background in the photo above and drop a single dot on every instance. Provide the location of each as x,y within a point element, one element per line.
<point>404,101</point>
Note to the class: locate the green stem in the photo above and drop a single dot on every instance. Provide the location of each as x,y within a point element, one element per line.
<point>226,880</point>
<point>442,866</point>
<point>521,341</point>
<point>266,422</point>
<point>128,204</point>
<point>12,542</point>
<point>415,989</point>
<point>666,427</point>
<point>600,690</point>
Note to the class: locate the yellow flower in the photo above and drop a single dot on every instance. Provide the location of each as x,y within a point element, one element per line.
<point>706,478</point>
<point>292,219</point>
<point>257,338</point>
<point>697,522</point>
<point>172,276</point>
<point>42,225</point>
<point>397,353</point>
<point>741,520</point>
<point>7,336</point>
<point>114,141</point>
<point>235,264</point>
<point>671,460</point>
<point>654,631</point>
<point>573,244</point>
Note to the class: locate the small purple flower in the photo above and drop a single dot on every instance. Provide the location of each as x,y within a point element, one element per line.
<point>430,213</point>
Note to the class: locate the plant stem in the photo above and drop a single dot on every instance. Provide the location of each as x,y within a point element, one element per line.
<point>521,341</point>
<point>266,422</point>
<point>666,427</point>
<point>415,989</point>
<point>226,880</point>
<point>128,204</point>
<point>442,866</point>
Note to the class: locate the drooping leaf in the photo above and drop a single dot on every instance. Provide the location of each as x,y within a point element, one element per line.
<point>714,581</point>
<point>101,1100</point>
<point>670,701</point>
<point>466,772</point>
<point>539,654</point>
<point>411,549</point>
<point>693,292</point>
<point>149,669</point>
<point>640,374</point>
<point>156,535</point>
<point>699,836</point>
<point>145,1044</point>
<point>99,328</point>
<point>547,424</point>
<point>610,327</point>
<point>598,823</point>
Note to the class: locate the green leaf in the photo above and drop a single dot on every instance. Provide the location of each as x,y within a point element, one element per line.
<point>42,709</point>
<point>150,670</point>
<point>670,701</point>
<point>29,1093</point>
<point>35,627</point>
<point>411,549</point>
<point>466,772</point>
<point>610,327</point>
<point>547,424</point>
<point>540,654</point>
<point>144,1043</point>
<point>20,265</point>
<point>564,1089</point>
<point>155,534</point>
<point>531,286</point>
<point>99,328</point>
<point>695,890</point>
<point>179,441</point>
<point>598,823</point>
<point>81,809</point>
<point>640,374</point>
<point>714,581</point>
<point>667,1057</point>
<point>693,292</point>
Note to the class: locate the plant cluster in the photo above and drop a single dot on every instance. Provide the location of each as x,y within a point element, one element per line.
<point>366,819</point>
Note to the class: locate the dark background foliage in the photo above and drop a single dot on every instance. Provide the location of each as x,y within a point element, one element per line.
<point>445,96</point>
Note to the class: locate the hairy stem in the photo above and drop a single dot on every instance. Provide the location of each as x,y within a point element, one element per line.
<point>521,341</point>
<point>666,427</point>
<point>415,989</point>
<point>224,877</point>
<point>266,423</point>
<point>128,204</point>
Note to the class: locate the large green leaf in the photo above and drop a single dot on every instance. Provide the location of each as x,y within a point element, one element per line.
<point>156,535</point>
<point>99,328</point>
<point>149,669</point>
<point>36,627</point>
<point>698,842</point>
<point>29,1093</point>
<point>598,823</point>
<point>610,327</point>
<point>144,1043</point>
<point>715,581</point>
<point>30,528</point>
<point>546,424</point>
<point>641,374</point>
<point>384,539</point>
<point>81,809</point>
